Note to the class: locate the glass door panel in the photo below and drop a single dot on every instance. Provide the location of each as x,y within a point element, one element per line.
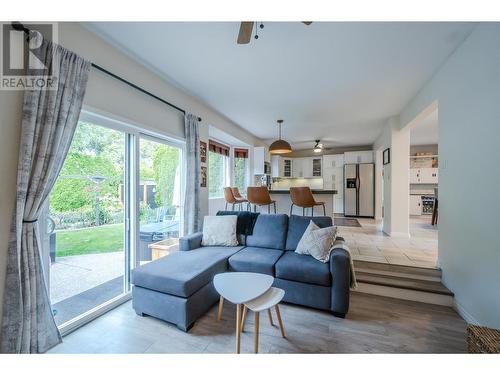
<point>86,219</point>
<point>159,198</point>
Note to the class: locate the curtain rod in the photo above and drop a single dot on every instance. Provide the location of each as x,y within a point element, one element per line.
<point>20,27</point>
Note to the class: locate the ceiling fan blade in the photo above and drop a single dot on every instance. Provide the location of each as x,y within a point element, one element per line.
<point>245,33</point>
<point>307,22</point>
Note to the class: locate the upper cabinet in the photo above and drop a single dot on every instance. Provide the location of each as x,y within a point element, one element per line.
<point>333,161</point>
<point>281,166</point>
<point>354,157</point>
<point>297,167</point>
<point>287,167</point>
<point>317,166</point>
<point>259,157</point>
<point>276,166</point>
<point>307,167</point>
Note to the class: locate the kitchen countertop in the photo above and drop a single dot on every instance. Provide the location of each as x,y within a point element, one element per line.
<point>314,191</point>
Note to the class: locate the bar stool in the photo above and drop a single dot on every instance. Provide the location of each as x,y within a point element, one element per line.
<point>259,196</point>
<point>303,197</point>
<point>435,208</point>
<point>266,301</point>
<point>236,194</point>
<point>229,197</point>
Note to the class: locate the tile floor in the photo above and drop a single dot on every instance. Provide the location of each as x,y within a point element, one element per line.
<point>369,243</point>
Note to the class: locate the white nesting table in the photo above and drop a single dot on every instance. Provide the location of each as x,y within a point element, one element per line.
<point>239,288</point>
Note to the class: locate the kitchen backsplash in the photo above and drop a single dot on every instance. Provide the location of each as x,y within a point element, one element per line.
<point>287,183</point>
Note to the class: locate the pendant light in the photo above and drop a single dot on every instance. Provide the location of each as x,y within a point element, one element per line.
<point>280,146</point>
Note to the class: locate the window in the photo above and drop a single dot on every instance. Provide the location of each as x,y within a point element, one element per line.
<point>240,169</point>
<point>218,157</point>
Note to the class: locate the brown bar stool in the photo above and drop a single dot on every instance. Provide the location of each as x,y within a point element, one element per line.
<point>303,197</point>
<point>435,212</point>
<point>259,196</point>
<point>238,196</point>
<point>231,199</point>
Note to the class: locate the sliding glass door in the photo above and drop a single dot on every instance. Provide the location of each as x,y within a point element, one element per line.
<point>159,198</point>
<point>116,204</point>
<point>86,220</point>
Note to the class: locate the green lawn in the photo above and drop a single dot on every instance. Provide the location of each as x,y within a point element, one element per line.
<point>103,239</point>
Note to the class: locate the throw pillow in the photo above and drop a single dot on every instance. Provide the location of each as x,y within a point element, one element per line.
<point>305,241</point>
<point>219,231</point>
<point>317,242</point>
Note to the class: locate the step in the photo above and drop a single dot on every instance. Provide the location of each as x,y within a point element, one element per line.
<point>430,274</point>
<point>407,288</point>
<point>404,283</point>
<point>405,294</point>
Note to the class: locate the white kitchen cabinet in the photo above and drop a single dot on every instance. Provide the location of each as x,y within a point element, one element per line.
<point>423,176</point>
<point>297,168</point>
<point>338,205</point>
<point>258,160</point>
<point>414,176</point>
<point>415,205</point>
<point>307,167</point>
<point>317,166</point>
<point>276,166</point>
<point>287,165</point>
<point>429,175</point>
<point>353,157</point>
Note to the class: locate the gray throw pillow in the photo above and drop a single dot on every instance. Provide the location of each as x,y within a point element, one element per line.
<point>317,242</point>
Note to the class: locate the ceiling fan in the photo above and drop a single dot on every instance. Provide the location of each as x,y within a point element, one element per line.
<point>318,147</point>
<point>246,28</point>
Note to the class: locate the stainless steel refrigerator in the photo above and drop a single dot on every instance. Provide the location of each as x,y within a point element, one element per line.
<point>359,190</point>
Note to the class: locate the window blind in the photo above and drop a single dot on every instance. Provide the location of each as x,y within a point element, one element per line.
<point>218,148</point>
<point>241,153</point>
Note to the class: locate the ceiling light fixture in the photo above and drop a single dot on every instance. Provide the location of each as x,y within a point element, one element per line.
<point>280,146</point>
<point>318,147</point>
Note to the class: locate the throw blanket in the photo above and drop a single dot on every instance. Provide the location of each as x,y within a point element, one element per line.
<point>245,221</point>
<point>340,244</point>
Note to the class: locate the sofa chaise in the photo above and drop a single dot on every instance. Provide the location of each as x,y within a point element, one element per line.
<point>179,289</point>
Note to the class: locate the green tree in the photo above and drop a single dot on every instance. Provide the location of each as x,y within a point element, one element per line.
<point>240,173</point>
<point>74,189</point>
<point>94,151</point>
<point>165,163</point>
<point>216,174</point>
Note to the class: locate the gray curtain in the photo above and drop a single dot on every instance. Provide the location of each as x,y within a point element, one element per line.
<point>192,196</point>
<point>48,123</point>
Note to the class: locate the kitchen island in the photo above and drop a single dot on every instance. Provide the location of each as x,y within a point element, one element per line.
<point>283,202</point>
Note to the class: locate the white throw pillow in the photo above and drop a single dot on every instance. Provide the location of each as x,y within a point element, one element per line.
<point>219,231</point>
<point>317,242</point>
<point>305,240</point>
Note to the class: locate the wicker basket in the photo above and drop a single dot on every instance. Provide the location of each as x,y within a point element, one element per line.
<point>483,339</point>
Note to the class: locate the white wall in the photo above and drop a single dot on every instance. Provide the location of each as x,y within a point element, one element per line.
<point>395,181</point>
<point>379,167</point>
<point>467,88</point>
<point>106,95</point>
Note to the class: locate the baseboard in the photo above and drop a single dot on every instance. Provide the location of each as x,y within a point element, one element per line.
<point>459,308</point>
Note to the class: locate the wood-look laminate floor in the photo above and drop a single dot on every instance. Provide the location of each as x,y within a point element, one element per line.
<point>374,325</point>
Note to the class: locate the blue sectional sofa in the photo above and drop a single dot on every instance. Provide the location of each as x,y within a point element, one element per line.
<point>179,289</point>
